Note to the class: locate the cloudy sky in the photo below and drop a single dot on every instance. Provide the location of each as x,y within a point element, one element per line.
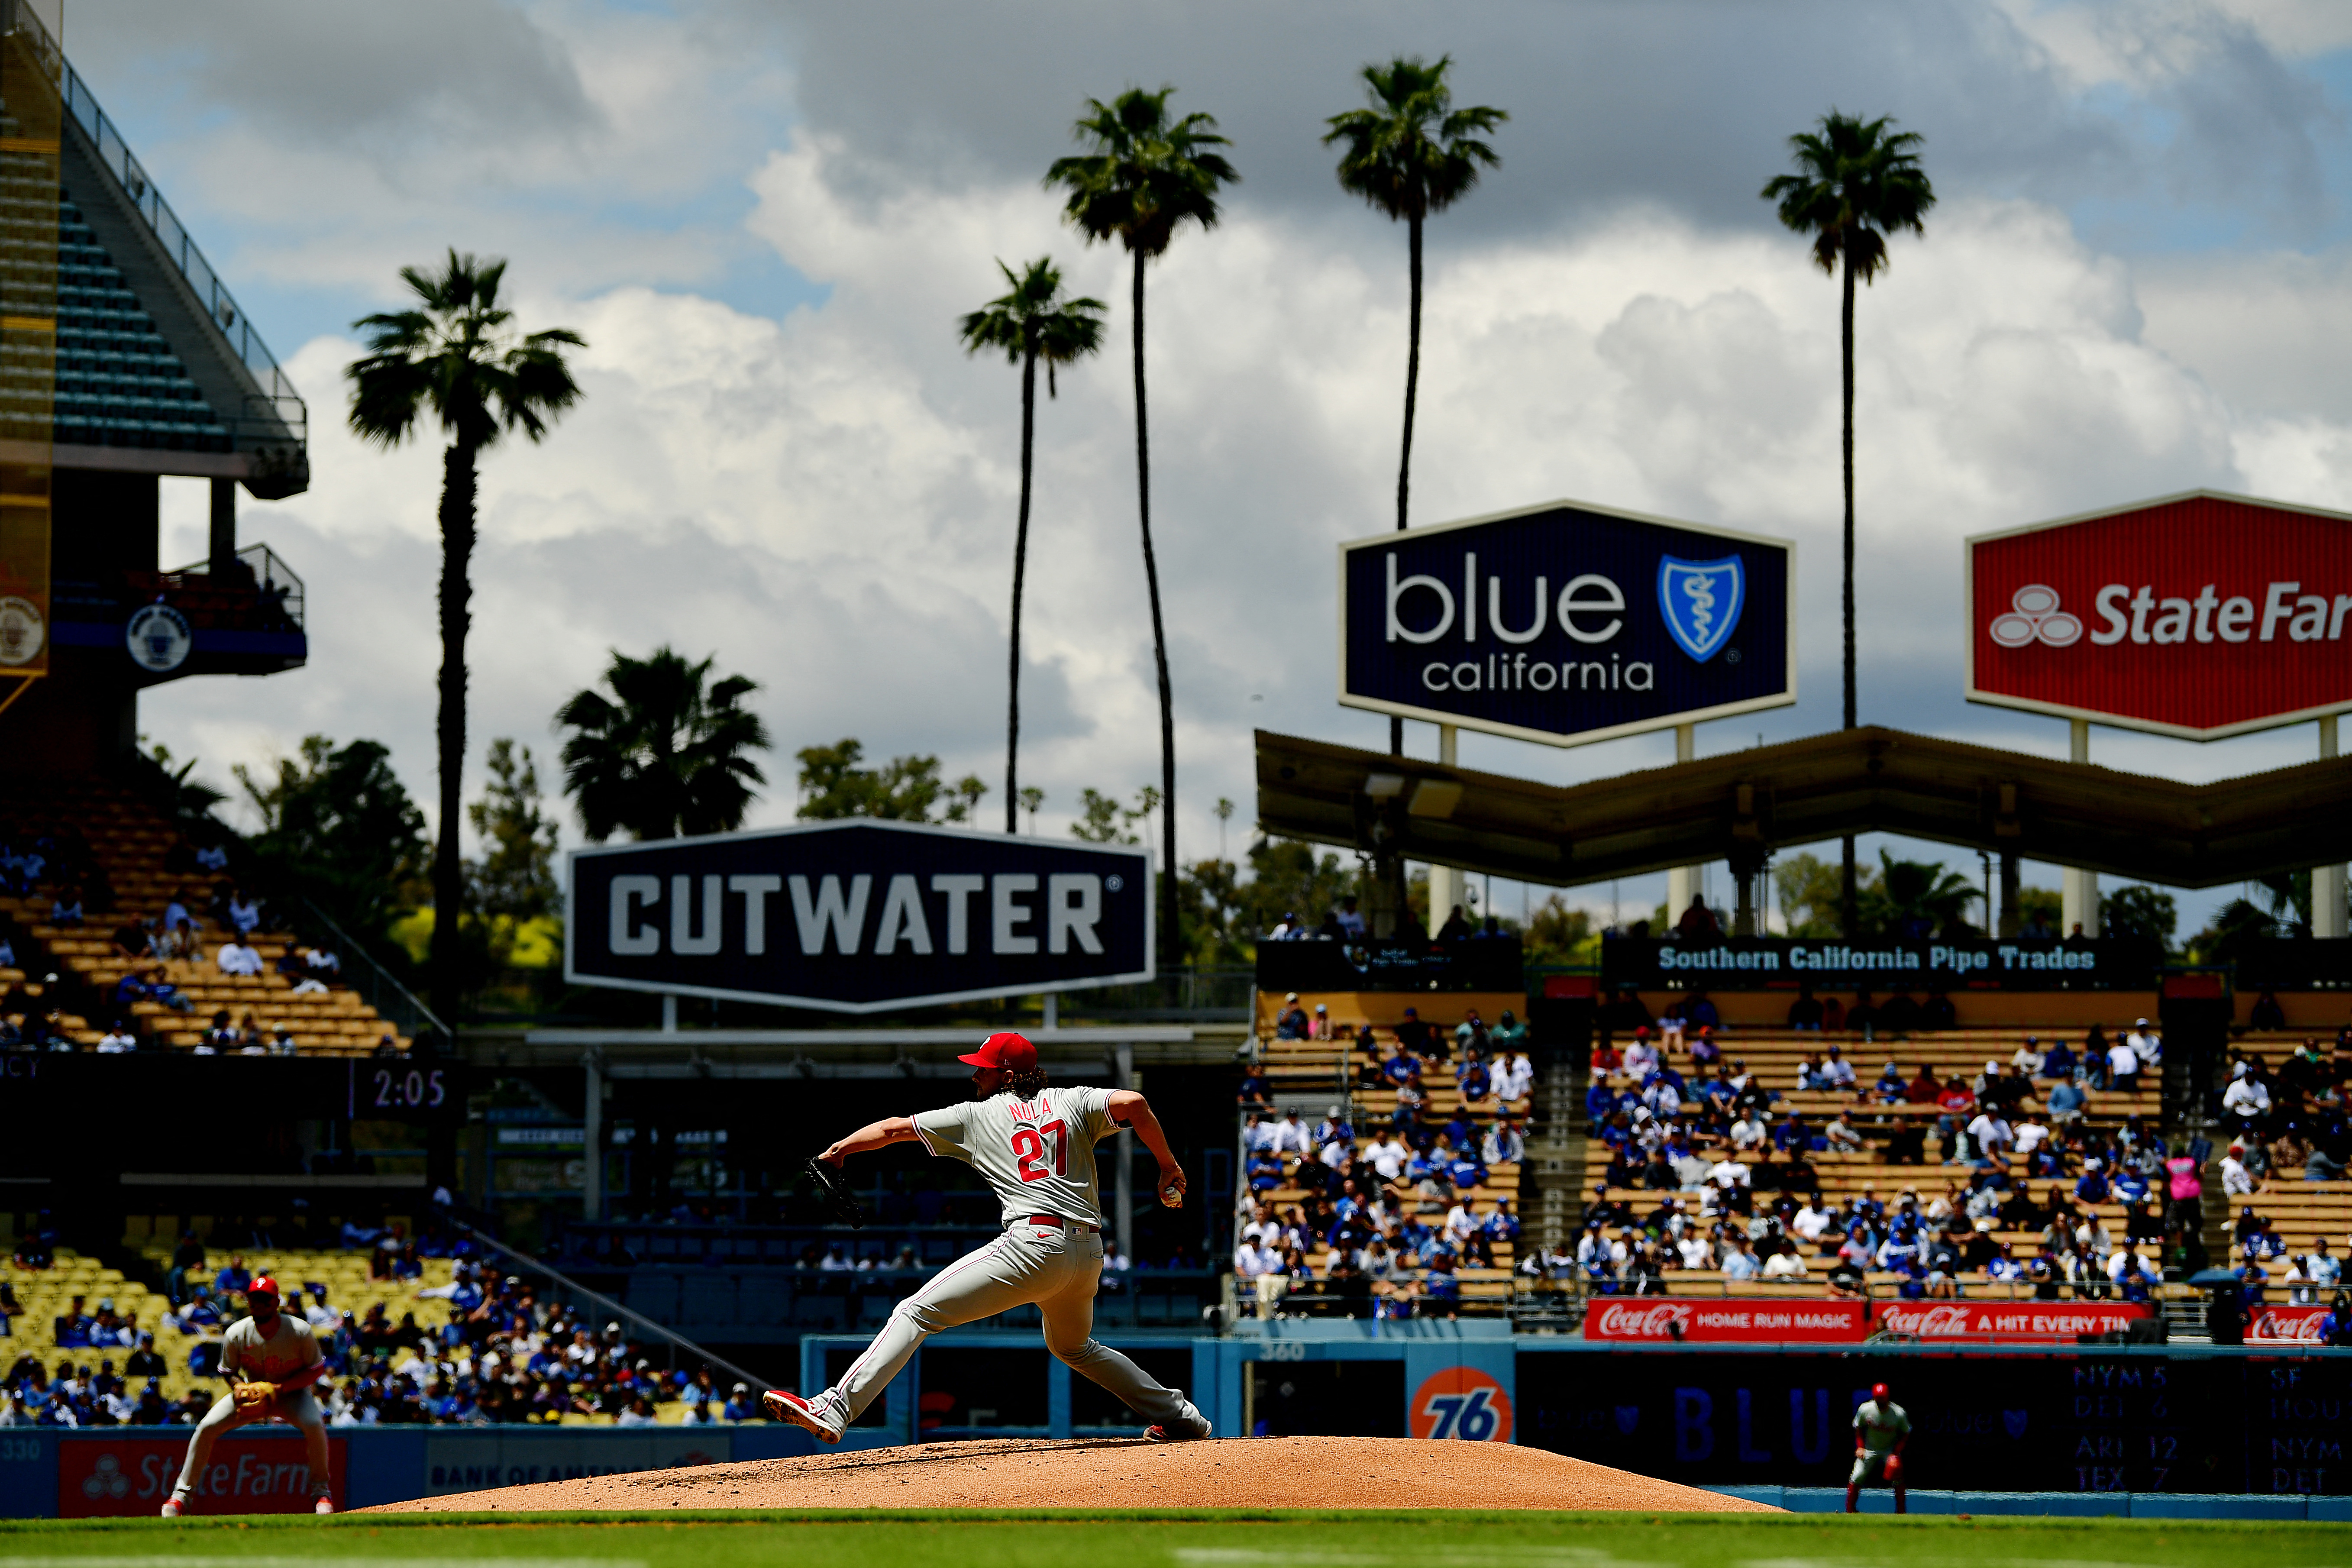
<point>766,217</point>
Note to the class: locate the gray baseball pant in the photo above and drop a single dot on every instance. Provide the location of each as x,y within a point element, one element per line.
<point>1055,1266</point>
<point>297,1407</point>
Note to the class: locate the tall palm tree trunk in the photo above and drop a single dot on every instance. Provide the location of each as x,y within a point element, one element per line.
<point>1019,564</point>
<point>1169,939</point>
<point>458,486</point>
<point>1411,387</point>
<point>1847,896</point>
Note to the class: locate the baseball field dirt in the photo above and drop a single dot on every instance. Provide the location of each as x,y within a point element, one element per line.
<point>1260,1472</point>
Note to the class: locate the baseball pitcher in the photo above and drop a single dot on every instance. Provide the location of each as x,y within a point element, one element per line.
<point>270,1361</point>
<point>1035,1146</point>
<point>1880,1428</point>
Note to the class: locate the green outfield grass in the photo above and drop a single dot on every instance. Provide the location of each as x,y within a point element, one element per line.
<point>1165,1539</point>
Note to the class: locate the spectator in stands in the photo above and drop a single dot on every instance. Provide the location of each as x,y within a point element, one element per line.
<point>2237,1178</point>
<point>2123,1066</point>
<point>1890,1088</point>
<point>132,942</point>
<point>2030,1058</point>
<point>1255,1093</point>
<point>1416,1037</point>
<point>1898,1013</point>
<point>1862,1017</point>
<point>1697,923</point>
<point>1291,1023</point>
<point>243,915</point>
<point>1837,1071</point>
<point>2068,1102</point>
<point>2248,1100</point>
<point>237,957</point>
<point>118,1040</point>
<point>1992,1138</point>
<point>2266,1013</point>
<point>66,910</point>
<point>1805,1012</point>
<point>1456,928</point>
<point>2313,1278</point>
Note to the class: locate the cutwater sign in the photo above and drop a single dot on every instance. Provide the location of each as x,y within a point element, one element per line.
<point>1567,623</point>
<point>855,916</point>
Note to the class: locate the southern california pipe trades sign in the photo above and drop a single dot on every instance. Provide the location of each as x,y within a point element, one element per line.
<point>2199,616</point>
<point>855,916</point>
<point>1764,963</point>
<point>1567,623</point>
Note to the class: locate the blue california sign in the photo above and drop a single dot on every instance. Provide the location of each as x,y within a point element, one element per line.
<point>1567,623</point>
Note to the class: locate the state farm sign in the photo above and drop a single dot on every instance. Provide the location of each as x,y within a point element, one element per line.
<point>2199,616</point>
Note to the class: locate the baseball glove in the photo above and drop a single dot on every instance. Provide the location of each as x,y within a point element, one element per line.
<point>249,1394</point>
<point>839,1200</point>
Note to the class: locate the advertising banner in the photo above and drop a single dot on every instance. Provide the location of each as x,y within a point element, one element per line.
<point>249,1473</point>
<point>2300,1324</point>
<point>2199,616</point>
<point>855,916</point>
<point>2004,1319</point>
<point>1769,963</point>
<point>1567,623</point>
<point>1653,1318</point>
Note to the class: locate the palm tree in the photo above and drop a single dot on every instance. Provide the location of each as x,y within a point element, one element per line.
<point>1920,894</point>
<point>1855,184</point>
<point>665,755</point>
<point>1031,322</point>
<point>1411,154</point>
<point>1145,176</point>
<point>457,355</point>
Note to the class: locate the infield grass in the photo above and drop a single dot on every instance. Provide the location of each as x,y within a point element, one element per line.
<point>1163,1538</point>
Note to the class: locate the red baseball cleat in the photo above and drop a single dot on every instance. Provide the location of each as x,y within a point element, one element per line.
<point>171,1509</point>
<point>324,1504</point>
<point>783,1405</point>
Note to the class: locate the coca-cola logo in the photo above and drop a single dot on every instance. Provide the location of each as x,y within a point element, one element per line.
<point>1923,1321</point>
<point>1651,1322</point>
<point>2274,1324</point>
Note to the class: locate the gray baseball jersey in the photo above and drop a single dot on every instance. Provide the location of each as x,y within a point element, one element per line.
<point>1037,1155</point>
<point>247,1356</point>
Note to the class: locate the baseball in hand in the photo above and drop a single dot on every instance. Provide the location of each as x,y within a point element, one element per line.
<point>1171,1191</point>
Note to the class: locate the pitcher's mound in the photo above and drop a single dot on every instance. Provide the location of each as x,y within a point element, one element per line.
<point>1261,1472</point>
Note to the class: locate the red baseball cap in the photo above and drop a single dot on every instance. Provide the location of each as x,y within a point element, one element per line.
<point>263,1285</point>
<point>1005,1052</point>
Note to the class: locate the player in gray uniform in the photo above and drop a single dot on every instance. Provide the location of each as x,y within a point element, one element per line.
<point>1880,1428</point>
<point>270,1361</point>
<point>1035,1146</point>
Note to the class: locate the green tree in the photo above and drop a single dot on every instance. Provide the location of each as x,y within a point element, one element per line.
<point>2289,896</point>
<point>1102,820</point>
<point>2042,906</point>
<point>1917,894</point>
<point>1410,155</point>
<point>456,357</point>
<point>905,789</point>
<point>1856,183</point>
<point>1287,877</point>
<point>1034,320</point>
<point>189,800</point>
<point>1145,176</point>
<point>667,753</point>
<point>2235,928</point>
<point>516,875</point>
<point>1210,894</point>
<point>337,828</point>
<point>2140,914</point>
<point>1033,800</point>
<point>1558,934</point>
<point>1809,890</point>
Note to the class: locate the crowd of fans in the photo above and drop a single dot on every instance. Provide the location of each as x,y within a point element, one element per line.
<point>1387,1219</point>
<point>2297,1118</point>
<point>2019,1150</point>
<point>1344,923</point>
<point>500,1355</point>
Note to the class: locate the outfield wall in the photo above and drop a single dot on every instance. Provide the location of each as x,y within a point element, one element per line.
<point>2117,1428</point>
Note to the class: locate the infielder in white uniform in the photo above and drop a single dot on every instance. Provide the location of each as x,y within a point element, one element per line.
<point>1035,1148</point>
<point>270,1361</point>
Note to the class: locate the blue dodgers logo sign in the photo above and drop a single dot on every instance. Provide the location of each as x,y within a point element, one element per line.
<point>1701,600</point>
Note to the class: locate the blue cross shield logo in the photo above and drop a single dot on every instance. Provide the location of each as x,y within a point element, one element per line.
<point>1702,600</point>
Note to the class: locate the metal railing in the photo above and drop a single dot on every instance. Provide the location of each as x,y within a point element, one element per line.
<point>393,1003</point>
<point>273,581</point>
<point>283,405</point>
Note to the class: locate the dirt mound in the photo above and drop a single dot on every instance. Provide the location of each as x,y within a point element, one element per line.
<point>1261,1472</point>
